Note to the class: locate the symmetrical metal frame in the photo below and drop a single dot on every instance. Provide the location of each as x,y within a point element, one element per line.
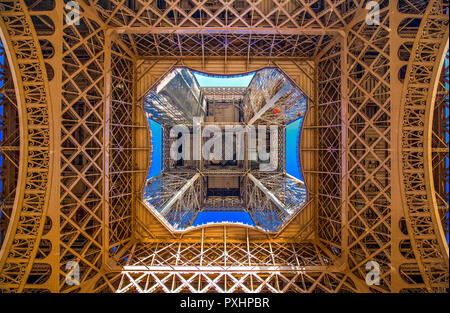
<point>177,194</point>
<point>371,154</point>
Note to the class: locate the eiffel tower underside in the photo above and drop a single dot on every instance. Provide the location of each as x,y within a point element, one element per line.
<point>75,147</point>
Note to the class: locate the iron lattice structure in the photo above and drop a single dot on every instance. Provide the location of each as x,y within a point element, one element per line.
<point>75,145</point>
<point>188,187</point>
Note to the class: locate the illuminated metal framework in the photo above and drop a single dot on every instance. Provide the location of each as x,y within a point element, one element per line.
<point>75,146</point>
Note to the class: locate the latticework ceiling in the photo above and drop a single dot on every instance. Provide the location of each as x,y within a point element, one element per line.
<point>227,28</point>
<point>219,45</point>
<point>223,14</point>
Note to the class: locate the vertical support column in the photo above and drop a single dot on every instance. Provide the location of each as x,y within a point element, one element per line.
<point>282,148</point>
<point>344,148</point>
<point>135,157</point>
<point>106,143</point>
<point>165,151</point>
<point>201,259</point>
<point>55,87</point>
<point>225,256</point>
<point>249,257</point>
<point>200,161</point>
<point>315,117</point>
<point>396,200</point>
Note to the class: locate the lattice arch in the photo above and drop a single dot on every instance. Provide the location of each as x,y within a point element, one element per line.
<point>421,211</point>
<point>23,243</point>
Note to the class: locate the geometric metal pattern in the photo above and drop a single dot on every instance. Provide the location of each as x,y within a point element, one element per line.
<point>81,216</point>
<point>226,267</point>
<point>371,148</point>
<point>366,192</point>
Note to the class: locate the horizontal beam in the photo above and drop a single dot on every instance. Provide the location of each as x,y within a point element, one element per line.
<point>262,58</point>
<point>9,148</point>
<point>228,30</point>
<point>216,269</point>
